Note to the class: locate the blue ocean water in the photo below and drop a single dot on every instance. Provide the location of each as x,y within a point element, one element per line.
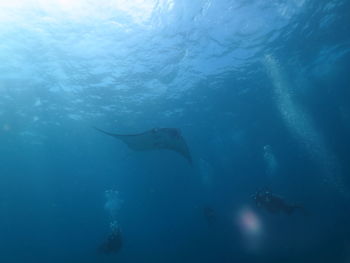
<point>259,90</point>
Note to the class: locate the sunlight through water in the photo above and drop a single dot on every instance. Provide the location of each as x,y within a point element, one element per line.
<point>136,11</point>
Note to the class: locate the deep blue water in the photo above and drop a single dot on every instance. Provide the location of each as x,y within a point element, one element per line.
<point>259,89</point>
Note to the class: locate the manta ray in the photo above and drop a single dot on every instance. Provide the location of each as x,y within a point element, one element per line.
<point>155,139</point>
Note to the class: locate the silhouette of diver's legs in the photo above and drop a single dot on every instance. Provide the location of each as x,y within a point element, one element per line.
<point>291,209</point>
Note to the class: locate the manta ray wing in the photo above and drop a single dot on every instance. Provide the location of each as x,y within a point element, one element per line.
<point>163,138</point>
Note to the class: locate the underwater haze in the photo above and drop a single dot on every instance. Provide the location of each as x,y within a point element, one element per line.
<point>255,170</point>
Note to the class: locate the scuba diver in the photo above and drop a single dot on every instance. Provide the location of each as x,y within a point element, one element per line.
<point>114,240</point>
<point>275,204</point>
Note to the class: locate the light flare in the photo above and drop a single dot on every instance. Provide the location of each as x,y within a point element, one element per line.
<point>249,222</point>
<point>251,229</point>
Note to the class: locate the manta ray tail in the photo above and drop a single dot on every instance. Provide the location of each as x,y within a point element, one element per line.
<point>105,132</point>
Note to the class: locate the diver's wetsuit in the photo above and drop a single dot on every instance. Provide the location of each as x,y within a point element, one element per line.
<point>113,243</point>
<point>274,203</point>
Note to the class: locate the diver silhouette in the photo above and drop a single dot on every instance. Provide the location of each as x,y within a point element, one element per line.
<point>275,204</point>
<point>114,240</point>
<point>209,215</point>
